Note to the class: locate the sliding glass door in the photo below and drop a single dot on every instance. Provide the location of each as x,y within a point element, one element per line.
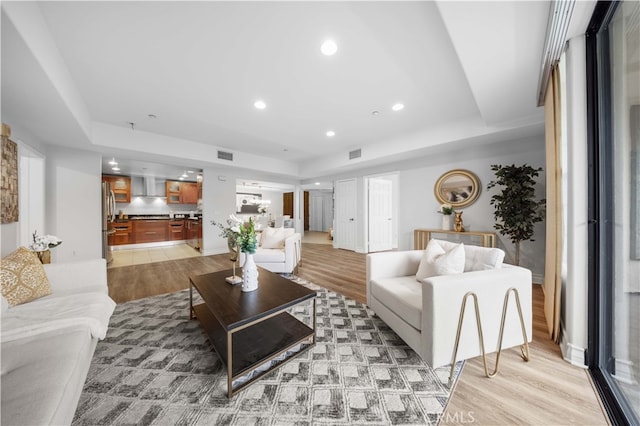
<point>613,62</point>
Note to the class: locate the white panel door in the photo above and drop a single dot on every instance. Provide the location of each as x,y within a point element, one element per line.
<point>345,232</point>
<point>315,214</point>
<point>380,215</point>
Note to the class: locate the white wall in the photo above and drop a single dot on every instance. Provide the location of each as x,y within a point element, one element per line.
<point>218,202</point>
<point>74,203</point>
<point>418,206</point>
<point>575,281</point>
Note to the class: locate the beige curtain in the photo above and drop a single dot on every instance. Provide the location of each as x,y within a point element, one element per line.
<point>553,256</point>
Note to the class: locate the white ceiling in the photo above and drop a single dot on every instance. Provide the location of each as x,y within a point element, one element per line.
<point>464,71</point>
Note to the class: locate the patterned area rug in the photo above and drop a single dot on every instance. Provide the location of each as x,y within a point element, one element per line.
<point>157,367</point>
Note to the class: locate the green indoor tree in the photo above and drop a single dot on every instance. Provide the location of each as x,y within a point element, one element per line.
<point>516,209</point>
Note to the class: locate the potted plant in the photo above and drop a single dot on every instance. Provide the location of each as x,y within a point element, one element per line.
<point>516,209</point>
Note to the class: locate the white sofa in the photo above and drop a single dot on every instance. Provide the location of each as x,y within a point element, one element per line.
<point>282,256</point>
<point>425,314</point>
<point>47,344</point>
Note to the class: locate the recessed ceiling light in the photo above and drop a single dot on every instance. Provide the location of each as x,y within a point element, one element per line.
<point>330,134</point>
<point>260,104</point>
<point>190,171</point>
<point>375,112</point>
<point>398,107</point>
<point>113,162</point>
<point>115,168</point>
<point>317,183</point>
<point>152,116</point>
<point>329,48</point>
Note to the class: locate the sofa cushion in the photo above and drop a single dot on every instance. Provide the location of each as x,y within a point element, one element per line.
<point>273,238</point>
<point>23,277</point>
<point>402,295</point>
<point>478,258</point>
<point>437,260</point>
<point>264,255</point>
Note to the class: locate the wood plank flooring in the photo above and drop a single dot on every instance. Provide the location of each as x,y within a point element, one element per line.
<point>544,391</point>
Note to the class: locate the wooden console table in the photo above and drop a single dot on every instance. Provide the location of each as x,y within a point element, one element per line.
<point>422,236</point>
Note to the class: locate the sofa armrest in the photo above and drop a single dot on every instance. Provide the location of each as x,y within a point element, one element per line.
<point>441,303</point>
<point>292,251</point>
<point>74,276</point>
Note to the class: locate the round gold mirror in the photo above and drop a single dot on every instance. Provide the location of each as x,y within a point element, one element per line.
<point>460,188</point>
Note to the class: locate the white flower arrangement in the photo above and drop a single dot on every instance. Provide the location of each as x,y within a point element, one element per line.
<point>44,242</point>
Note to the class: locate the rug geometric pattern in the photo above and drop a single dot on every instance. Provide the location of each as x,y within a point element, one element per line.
<point>157,367</point>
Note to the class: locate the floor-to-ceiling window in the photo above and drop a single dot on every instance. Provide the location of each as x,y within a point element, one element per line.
<point>614,116</point>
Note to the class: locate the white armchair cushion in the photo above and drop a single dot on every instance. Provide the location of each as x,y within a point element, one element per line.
<point>437,260</point>
<point>401,294</point>
<point>269,256</point>
<point>477,258</point>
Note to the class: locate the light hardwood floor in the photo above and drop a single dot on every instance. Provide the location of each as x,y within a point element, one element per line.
<point>544,391</point>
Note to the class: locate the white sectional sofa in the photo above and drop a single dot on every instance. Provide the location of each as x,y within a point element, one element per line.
<point>425,313</point>
<point>47,344</point>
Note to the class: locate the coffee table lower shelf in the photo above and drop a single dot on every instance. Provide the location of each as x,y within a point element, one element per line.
<point>244,349</point>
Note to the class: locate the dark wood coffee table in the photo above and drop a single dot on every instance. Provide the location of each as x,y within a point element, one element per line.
<point>248,330</point>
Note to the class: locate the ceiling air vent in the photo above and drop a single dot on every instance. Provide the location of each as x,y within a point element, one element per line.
<point>225,155</point>
<point>356,153</point>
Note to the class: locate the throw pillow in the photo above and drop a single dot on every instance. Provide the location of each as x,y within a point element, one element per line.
<point>436,261</point>
<point>483,258</point>
<point>273,238</point>
<point>23,277</point>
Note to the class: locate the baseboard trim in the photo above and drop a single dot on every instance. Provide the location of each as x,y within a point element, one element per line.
<point>624,371</point>
<point>571,353</point>
<point>210,252</point>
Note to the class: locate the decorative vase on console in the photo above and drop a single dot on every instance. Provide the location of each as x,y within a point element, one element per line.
<point>446,211</point>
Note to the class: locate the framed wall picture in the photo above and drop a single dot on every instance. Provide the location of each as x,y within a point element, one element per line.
<point>458,187</point>
<point>9,211</point>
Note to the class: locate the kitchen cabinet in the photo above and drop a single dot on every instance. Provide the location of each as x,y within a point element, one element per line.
<point>193,233</point>
<point>122,234</point>
<point>149,231</point>
<point>176,230</point>
<point>181,192</point>
<point>121,187</point>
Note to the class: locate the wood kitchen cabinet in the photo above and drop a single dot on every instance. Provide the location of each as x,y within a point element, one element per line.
<point>176,230</point>
<point>150,231</point>
<point>182,192</point>
<point>122,234</point>
<point>121,187</point>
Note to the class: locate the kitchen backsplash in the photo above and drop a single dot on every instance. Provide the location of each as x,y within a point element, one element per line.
<point>153,206</point>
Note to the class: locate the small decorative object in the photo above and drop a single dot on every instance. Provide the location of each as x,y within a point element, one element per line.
<point>458,226</point>
<point>42,244</point>
<point>242,235</point>
<point>446,211</point>
<point>516,208</point>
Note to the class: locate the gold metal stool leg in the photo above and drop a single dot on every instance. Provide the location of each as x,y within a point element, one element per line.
<point>524,348</point>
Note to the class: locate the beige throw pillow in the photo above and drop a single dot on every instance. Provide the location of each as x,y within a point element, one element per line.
<point>23,277</point>
<point>436,261</point>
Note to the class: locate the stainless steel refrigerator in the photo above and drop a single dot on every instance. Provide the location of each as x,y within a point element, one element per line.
<point>108,215</point>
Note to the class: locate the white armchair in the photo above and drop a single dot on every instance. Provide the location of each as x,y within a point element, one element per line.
<point>278,252</point>
<point>426,314</point>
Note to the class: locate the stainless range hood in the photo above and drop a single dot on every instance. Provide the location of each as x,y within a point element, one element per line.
<point>146,186</point>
